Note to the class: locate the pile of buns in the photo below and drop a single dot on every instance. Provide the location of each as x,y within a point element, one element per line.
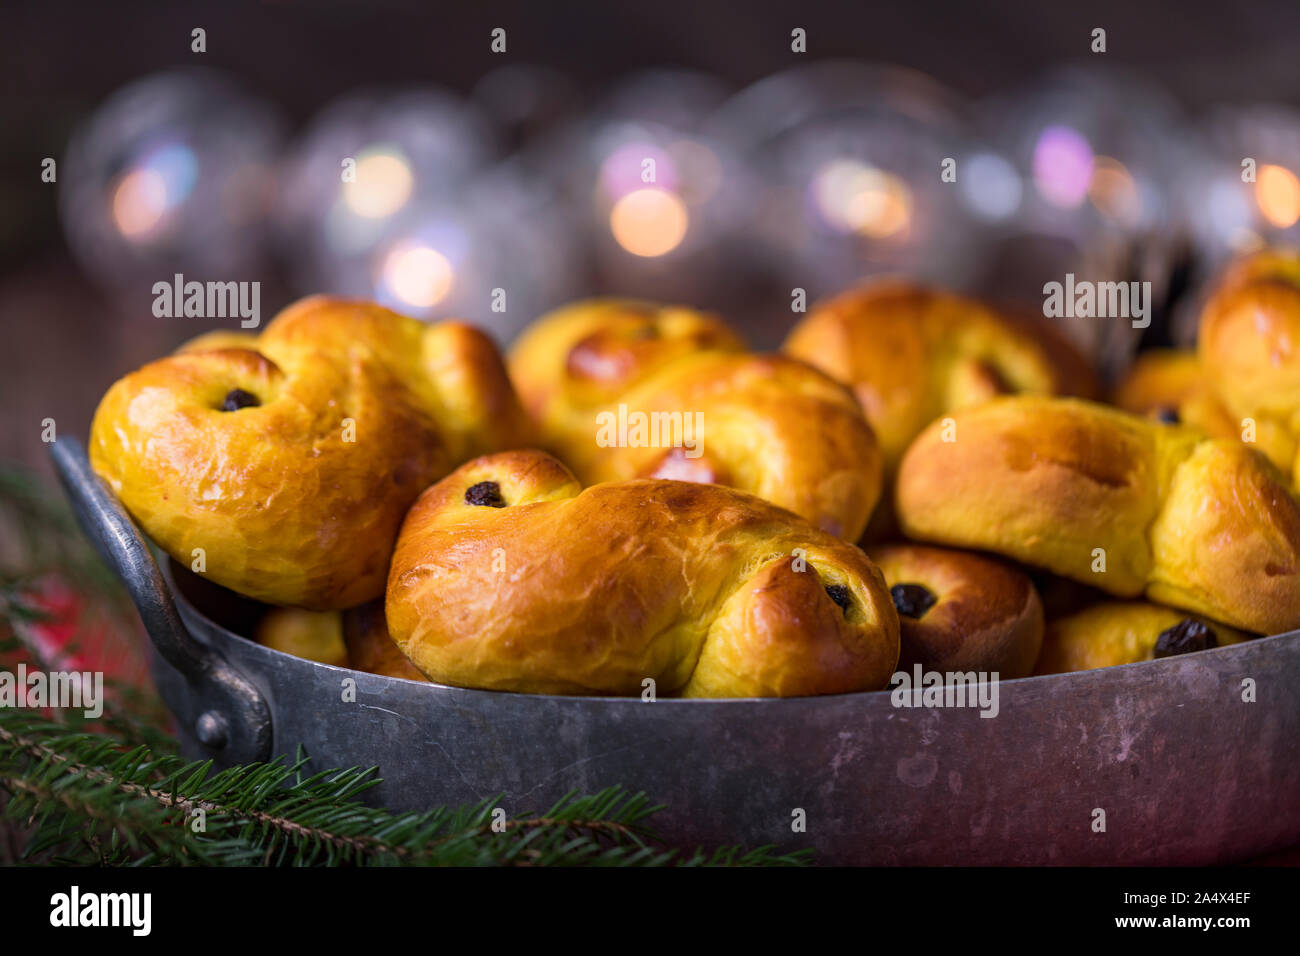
<point>631,499</point>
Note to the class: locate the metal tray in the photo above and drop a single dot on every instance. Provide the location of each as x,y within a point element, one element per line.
<point>1185,771</point>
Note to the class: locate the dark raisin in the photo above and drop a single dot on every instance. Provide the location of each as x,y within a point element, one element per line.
<point>1167,415</point>
<point>840,595</point>
<point>645,332</point>
<point>237,398</point>
<point>1184,637</point>
<point>485,493</point>
<point>912,600</point>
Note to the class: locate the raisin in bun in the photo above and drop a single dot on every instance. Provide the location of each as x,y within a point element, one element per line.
<point>959,611</point>
<point>1125,632</point>
<point>767,424</point>
<point>370,648</point>
<point>509,576</point>
<point>1114,501</point>
<point>1249,345</point>
<point>291,463</point>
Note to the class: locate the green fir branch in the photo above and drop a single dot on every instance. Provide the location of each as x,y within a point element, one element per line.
<point>90,799</point>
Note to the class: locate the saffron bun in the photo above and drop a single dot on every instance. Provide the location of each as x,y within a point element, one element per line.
<point>1206,525</point>
<point>959,611</point>
<point>1247,343</point>
<point>1125,632</point>
<point>913,354</point>
<point>314,635</point>
<point>509,576</point>
<point>1170,386</point>
<point>369,646</point>
<point>615,385</point>
<point>338,418</point>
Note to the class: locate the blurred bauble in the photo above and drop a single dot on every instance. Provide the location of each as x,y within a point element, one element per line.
<point>848,162</point>
<point>370,167</point>
<point>172,173</point>
<point>655,195</point>
<point>1243,190</point>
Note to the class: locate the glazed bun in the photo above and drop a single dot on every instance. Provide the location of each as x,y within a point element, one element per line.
<point>959,611</point>
<point>1247,343</point>
<point>765,424</point>
<point>913,354</point>
<point>288,467</point>
<point>1125,632</point>
<point>1170,386</point>
<point>1114,501</point>
<point>509,576</point>
<point>312,635</point>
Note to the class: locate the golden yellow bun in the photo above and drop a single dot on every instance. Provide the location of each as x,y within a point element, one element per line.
<point>960,611</point>
<point>1125,632</point>
<point>1073,373</point>
<point>370,648</point>
<point>1202,524</point>
<point>1249,345</point>
<point>1171,387</point>
<point>314,635</point>
<point>912,354</point>
<point>341,417</point>
<point>219,339</point>
<point>509,576</point>
<point>768,425</point>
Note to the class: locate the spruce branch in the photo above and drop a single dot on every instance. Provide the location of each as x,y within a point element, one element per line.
<point>90,798</point>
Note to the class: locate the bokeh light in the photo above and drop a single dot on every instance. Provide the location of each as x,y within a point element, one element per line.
<point>649,222</point>
<point>990,186</point>
<point>1113,191</point>
<point>856,198</point>
<point>1062,166</point>
<point>1277,190</point>
<point>417,275</point>
<point>139,202</point>
<point>382,185</point>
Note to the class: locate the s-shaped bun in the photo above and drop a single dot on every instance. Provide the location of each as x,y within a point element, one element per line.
<point>1115,501</point>
<point>767,424</point>
<point>509,576</point>
<point>288,466</point>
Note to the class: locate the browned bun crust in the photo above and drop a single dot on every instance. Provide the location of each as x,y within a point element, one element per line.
<point>370,648</point>
<point>767,424</point>
<point>1249,345</point>
<point>344,412</point>
<point>913,353</point>
<point>1170,386</point>
<point>508,576</point>
<point>986,616</point>
<point>1202,524</point>
<point>1116,632</point>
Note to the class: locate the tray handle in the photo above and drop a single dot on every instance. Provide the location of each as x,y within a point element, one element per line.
<point>225,713</point>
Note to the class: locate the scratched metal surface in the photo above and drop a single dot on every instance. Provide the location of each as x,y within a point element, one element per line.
<point>1185,770</point>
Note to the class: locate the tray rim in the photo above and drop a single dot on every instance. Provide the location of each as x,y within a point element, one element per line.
<point>188,610</point>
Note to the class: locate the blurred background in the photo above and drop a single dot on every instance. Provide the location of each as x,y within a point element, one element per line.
<point>681,151</point>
